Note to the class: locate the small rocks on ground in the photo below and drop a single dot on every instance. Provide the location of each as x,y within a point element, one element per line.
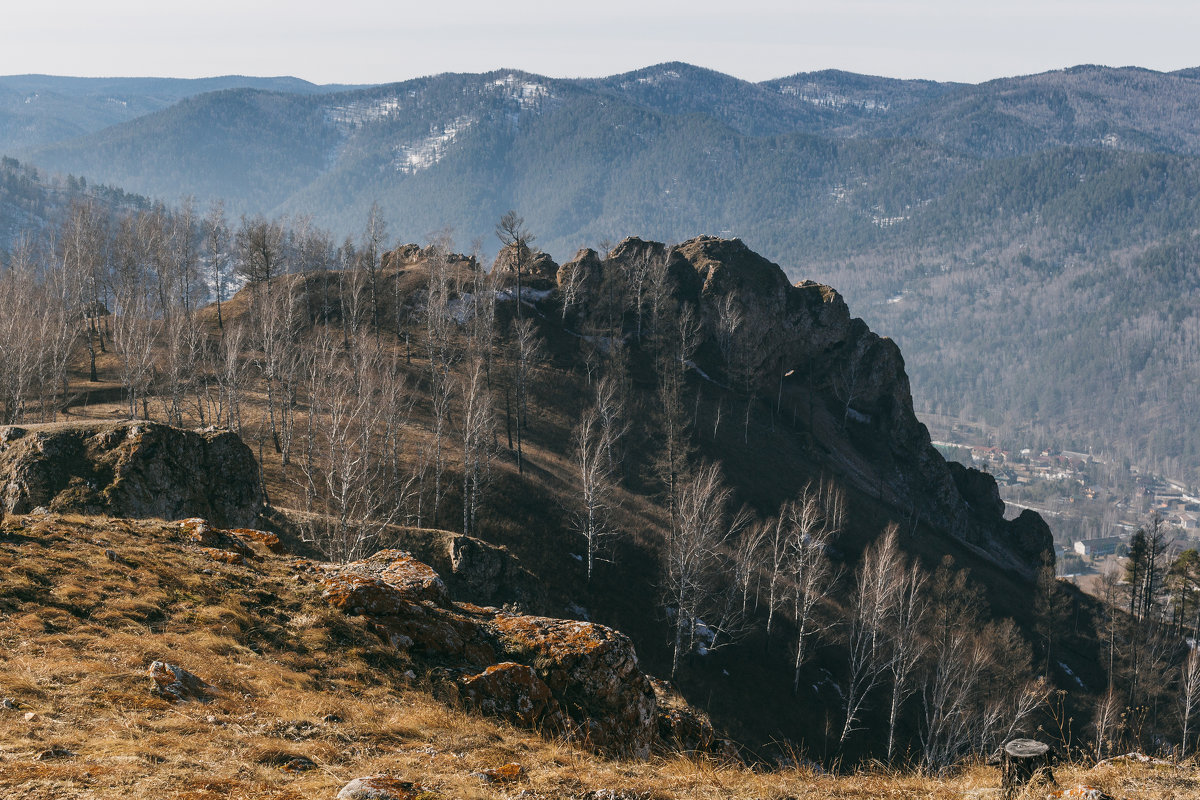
<point>1080,792</point>
<point>1133,758</point>
<point>384,787</point>
<point>175,684</point>
<point>508,773</point>
<point>8,704</point>
<point>53,753</point>
<point>298,764</point>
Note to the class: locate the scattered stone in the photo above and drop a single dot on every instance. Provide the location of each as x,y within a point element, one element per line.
<point>383,787</point>
<point>175,684</point>
<point>251,536</point>
<point>298,764</point>
<point>683,728</point>
<point>111,555</point>
<point>224,556</point>
<point>332,719</point>
<point>30,716</point>
<point>1133,758</point>
<point>8,704</point>
<point>1080,792</point>
<point>508,773</point>
<point>55,752</point>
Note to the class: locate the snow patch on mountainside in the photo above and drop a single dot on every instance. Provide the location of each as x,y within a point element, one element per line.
<point>413,157</point>
<point>528,94</point>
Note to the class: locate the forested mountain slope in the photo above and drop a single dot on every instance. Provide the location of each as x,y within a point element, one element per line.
<point>1047,216</point>
<point>37,110</point>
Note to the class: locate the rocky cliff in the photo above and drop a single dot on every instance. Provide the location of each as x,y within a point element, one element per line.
<point>129,469</point>
<point>801,338</point>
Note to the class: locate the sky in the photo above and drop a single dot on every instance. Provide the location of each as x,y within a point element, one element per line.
<point>377,41</point>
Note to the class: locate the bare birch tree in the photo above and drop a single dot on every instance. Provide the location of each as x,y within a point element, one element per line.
<point>872,605</point>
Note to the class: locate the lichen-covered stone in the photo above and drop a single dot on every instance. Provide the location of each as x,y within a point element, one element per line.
<point>384,787</point>
<point>592,671</point>
<point>513,692</point>
<point>129,469</point>
<point>175,684</point>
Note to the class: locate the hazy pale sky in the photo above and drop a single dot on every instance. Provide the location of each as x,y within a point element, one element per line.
<point>374,41</point>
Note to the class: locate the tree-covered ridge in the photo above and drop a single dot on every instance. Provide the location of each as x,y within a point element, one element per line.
<point>1031,233</point>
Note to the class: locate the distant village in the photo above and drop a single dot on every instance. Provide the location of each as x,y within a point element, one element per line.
<point>1092,505</point>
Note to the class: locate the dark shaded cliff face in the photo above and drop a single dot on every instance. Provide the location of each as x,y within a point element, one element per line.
<point>129,469</point>
<point>804,334</point>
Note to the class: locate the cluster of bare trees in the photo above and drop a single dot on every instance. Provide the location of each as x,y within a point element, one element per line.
<point>1149,629</point>
<point>334,402</point>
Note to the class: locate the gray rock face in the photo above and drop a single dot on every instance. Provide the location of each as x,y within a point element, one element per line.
<point>537,267</point>
<point>806,330</point>
<point>536,671</point>
<point>130,469</point>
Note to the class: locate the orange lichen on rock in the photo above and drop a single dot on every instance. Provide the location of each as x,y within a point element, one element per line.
<point>268,540</point>
<point>592,671</point>
<point>506,773</point>
<point>514,692</point>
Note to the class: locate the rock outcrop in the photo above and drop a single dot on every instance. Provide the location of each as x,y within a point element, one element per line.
<point>550,674</point>
<point>803,335</point>
<point>538,269</point>
<point>130,469</point>
<point>408,255</point>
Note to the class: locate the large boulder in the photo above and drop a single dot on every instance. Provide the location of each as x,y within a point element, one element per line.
<point>592,671</point>
<point>515,693</point>
<point>130,469</point>
<point>553,674</point>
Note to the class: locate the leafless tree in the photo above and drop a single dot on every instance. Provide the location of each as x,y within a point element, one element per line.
<point>1105,720</point>
<point>512,233</point>
<point>638,278</point>
<point>697,575</point>
<point>908,646</point>
<point>134,340</point>
<point>259,248</point>
<point>1189,695</point>
<point>216,253</point>
<point>873,604</point>
<point>373,245</point>
<point>526,351</point>
<point>595,439</point>
<point>573,280</point>
<point>814,519</point>
<point>350,495</point>
<point>478,426</point>
<point>231,373</point>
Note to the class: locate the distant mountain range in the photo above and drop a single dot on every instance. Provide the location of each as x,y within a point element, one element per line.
<point>1029,240</point>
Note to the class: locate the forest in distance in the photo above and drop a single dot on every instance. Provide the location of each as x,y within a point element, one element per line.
<point>430,392</point>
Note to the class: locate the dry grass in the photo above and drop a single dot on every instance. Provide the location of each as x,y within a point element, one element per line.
<point>78,629</point>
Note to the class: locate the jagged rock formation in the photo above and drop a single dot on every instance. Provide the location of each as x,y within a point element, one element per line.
<point>538,269</point>
<point>129,469</point>
<point>407,255</point>
<point>804,334</point>
<point>552,674</point>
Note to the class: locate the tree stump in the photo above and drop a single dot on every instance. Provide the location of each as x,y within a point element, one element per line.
<point>1023,761</point>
